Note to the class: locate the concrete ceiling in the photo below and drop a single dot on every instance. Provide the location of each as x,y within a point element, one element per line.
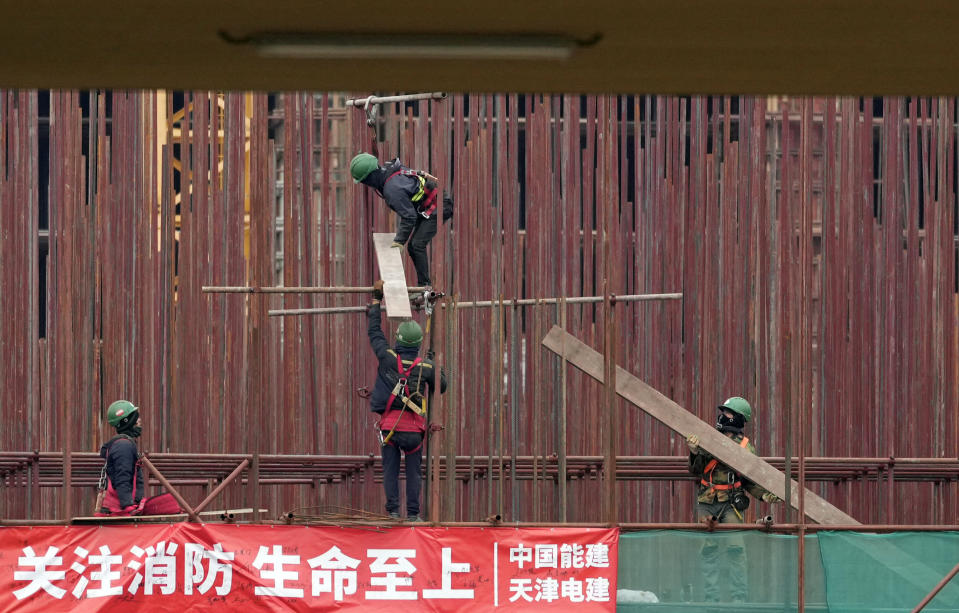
<point>644,46</point>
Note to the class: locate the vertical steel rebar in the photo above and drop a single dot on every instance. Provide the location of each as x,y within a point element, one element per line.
<point>819,285</point>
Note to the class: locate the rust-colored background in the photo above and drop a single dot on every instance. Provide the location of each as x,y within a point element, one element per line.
<point>814,242</point>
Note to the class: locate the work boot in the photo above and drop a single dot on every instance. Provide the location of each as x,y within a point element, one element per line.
<point>394,515</point>
<point>413,519</point>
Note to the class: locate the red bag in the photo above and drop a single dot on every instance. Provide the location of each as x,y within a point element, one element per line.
<point>164,504</point>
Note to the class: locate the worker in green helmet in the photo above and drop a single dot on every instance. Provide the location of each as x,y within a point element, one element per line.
<point>412,195</point>
<point>122,478</point>
<point>404,383</point>
<point>721,496</point>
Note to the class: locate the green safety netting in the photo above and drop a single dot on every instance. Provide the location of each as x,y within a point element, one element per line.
<point>868,573</point>
<point>667,570</point>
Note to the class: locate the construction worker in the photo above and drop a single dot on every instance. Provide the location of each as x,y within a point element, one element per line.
<point>721,497</point>
<point>404,382</point>
<point>121,476</point>
<point>412,195</point>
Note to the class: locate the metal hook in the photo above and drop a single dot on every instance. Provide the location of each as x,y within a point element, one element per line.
<point>369,113</point>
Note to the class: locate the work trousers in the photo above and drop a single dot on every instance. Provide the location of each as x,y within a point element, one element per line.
<point>423,233</point>
<point>718,543</point>
<point>405,442</point>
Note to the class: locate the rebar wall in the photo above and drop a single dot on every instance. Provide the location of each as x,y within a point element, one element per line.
<point>814,242</point>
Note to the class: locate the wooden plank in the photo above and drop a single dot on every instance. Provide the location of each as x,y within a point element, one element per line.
<point>395,294</point>
<point>752,467</point>
<point>685,423</point>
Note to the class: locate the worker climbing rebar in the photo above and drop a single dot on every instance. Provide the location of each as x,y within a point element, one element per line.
<point>412,194</point>
<point>404,383</point>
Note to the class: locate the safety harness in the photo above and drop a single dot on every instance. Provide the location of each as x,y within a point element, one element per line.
<point>425,197</point>
<point>401,390</point>
<point>711,466</point>
<point>107,497</point>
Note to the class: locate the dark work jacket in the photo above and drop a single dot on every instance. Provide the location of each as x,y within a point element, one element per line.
<point>398,193</point>
<point>386,373</point>
<point>121,464</point>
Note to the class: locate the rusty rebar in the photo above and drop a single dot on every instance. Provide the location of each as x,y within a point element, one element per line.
<point>219,488</point>
<point>172,490</point>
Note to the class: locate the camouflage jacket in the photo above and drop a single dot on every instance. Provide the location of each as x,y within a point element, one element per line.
<point>720,475</point>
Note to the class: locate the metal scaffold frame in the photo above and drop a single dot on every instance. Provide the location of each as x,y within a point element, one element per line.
<point>211,474</point>
<point>813,241</point>
<point>628,198</point>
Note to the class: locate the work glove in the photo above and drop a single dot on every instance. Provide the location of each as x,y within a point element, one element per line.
<point>447,206</point>
<point>692,441</point>
<point>378,289</point>
<point>396,245</point>
<point>771,498</point>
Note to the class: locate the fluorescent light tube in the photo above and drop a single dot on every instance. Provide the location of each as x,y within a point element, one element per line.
<point>403,46</point>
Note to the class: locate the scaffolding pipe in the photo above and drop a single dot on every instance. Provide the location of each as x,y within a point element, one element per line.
<point>316,311</point>
<point>949,464</point>
<point>362,102</point>
<point>478,304</point>
<point>786,528</point>
<point>183,503</point>
<point>279,289</point>
<point>223,484</point>
<point>936,590</point>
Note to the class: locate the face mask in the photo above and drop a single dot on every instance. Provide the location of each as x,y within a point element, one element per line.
<point>730,424</point>
<point>130,428</point>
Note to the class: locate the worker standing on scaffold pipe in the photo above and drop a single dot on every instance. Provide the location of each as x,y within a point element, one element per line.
<point>412,194</point>
<point>404,384</point>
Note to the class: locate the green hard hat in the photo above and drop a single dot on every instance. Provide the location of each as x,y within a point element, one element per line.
<point>362,165</point>
<point>738,405</point>
<point>120,410</point>
<point>409,334</point>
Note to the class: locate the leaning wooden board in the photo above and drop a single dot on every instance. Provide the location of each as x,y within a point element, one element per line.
<point>395,295</point>
<point>682,421</point>
<point>754,468</point>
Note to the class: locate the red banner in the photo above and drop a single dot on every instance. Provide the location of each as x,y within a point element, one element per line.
<point>180,567</point>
